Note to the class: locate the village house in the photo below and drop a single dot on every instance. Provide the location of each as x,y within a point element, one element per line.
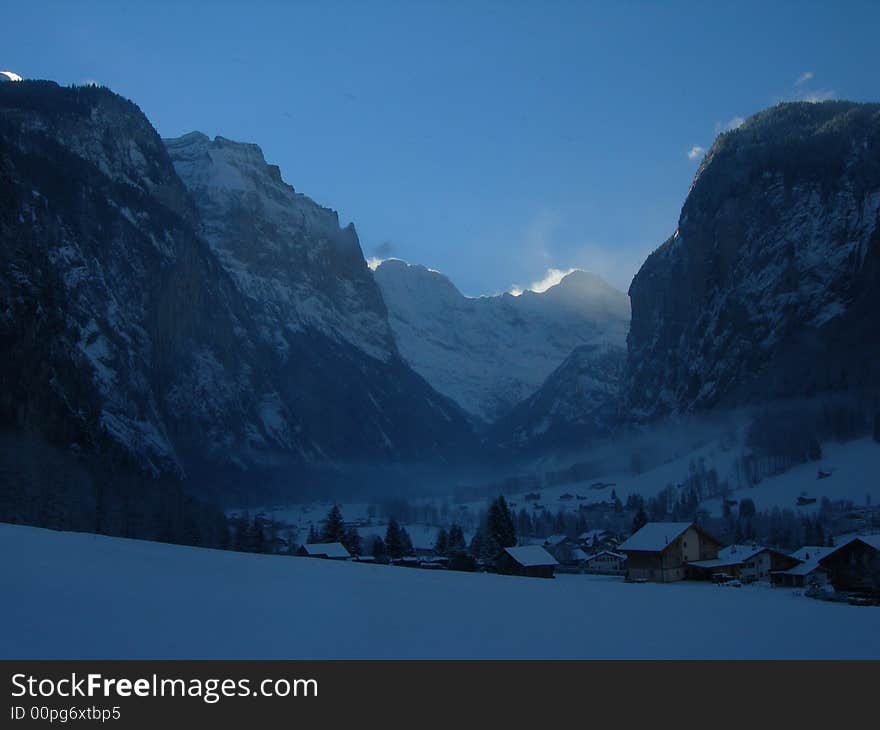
<point>660,551</point>
<point>807,572</point>
<point>595,540</point>
<point>854,566</point>
<point>571,559</point>
<point>747,563</point>
<point>529,560</point>
<point>326,550</point>
<point>605,563</point>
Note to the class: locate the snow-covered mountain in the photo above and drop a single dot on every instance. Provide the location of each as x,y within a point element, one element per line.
<point>771,283</point>
<point>490,353</point>
<point>579,402</point>
<point>188,311</point>
<point>286,254</point>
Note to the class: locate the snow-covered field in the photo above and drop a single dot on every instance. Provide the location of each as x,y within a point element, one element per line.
<point>69,595</point>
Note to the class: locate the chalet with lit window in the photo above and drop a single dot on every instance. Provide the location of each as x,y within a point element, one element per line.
<point>660,551</point>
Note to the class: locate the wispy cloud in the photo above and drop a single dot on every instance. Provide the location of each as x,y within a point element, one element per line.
<point>732,123</point>
<point>801,90</point>
<point>551,278</point>
<point>819,95</point>
<point>696,152</point>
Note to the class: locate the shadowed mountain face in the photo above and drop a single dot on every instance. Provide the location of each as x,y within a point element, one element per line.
<point>188,310</point>
<point>578,403</point>
<point>769,287</point>
<point>490,353</point>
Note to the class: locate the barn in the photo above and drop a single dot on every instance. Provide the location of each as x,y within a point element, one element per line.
<point>326,550</point>
<point>529,560</point>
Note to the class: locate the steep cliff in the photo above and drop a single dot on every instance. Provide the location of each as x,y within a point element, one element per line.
<point>212,325</point>
<point>769,286</point>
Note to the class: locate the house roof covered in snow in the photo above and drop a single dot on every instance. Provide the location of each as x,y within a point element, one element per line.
<point>733,555</point>
<point>611,553</point>
<point>556,539</point>
<point>803,569</point>
<point>531,555</point>
<point>872,540</point>
<point>330,549</point>
<point>654,536</point>
<point>812,552</point>
<point>592,535</point>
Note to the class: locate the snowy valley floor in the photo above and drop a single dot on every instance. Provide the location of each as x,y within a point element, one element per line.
<point>70,595</point>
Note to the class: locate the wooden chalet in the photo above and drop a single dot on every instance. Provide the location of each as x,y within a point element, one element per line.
<point>744,562</point>
<point>326,550</point>
<point>529,560</point>
<point>660,551</point>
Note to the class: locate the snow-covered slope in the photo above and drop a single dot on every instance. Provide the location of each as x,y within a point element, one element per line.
<point>490,353</point>
<point>83,596</point>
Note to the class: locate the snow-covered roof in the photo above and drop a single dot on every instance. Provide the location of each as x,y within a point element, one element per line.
<point>531,555</point>
<point>872,540</point>
<point>812,552</point>
<point>592,534</point>
<point>555,539</point>
<point>802,569</point>
<point>654,536</point>
<point>330,549</point>
<point>619,556</point>
<point>578,554</point>
<point>731,555</point>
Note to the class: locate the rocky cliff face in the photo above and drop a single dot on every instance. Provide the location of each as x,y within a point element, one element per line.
<point>767,286</point>
<point>490,353</point>
<point>578,403</point>
<point>211,321</point>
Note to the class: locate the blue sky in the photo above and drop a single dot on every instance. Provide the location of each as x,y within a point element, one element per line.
<point>492,141</point>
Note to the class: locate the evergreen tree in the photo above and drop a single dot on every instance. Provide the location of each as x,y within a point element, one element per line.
<point>819,533</point>
<point>500,523</point>
<point>456,542</point>
<point>640,520</point>
<point>441,544</point>
<point>378,548</point>
<point>258,538</point>
<point>483,546</point>
<point>406,542</point>
<point>394,543</point>
<point>352,540</point>
<point>313,537</point>
<point>334,527</point>
<point>241,539</point>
